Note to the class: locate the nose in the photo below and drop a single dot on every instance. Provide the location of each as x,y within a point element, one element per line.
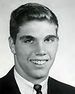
<point>40,49</point>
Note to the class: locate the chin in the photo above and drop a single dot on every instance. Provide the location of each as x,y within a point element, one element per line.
<point>41,75</point>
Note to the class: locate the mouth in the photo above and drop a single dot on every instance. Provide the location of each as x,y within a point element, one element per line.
<point>39,61</point>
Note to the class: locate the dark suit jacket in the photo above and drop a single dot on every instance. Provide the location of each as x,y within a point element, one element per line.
<point>8,86</point>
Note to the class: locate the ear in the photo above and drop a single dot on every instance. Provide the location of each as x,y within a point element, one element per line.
<point>12,45</point>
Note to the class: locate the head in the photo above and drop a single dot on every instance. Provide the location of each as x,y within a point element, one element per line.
<point>33,40</point>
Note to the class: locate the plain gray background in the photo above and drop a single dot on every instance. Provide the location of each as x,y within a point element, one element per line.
<point>64,65</point>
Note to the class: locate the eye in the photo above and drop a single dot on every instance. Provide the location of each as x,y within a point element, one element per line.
<point>50,39</point>
<point>27,39</point>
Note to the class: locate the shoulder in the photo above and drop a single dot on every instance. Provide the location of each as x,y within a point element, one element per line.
<point>8,84</point>
<point>60,87</point>
<point>9,76</point>
<point>7,81</point>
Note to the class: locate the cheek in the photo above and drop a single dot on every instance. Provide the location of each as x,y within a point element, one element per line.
<point>23,52</point>
<point>52,49</point>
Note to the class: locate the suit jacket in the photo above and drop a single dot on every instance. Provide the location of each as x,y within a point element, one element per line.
<point>8,85</point>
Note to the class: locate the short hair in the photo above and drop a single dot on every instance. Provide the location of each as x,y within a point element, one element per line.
<point>30,12</point>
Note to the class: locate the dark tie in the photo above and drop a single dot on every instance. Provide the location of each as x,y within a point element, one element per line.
<point>38,87</point>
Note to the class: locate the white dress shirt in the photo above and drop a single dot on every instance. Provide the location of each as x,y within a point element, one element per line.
<point>26,87</point>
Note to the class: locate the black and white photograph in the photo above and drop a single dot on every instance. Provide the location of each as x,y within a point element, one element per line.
<point>37,47</point>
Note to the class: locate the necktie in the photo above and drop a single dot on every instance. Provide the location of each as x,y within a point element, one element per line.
<point>38,87</point>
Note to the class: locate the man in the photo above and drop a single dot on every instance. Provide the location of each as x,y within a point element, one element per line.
<point>33,41</point>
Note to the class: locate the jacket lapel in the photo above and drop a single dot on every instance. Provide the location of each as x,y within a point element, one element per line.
<point>48,86</point>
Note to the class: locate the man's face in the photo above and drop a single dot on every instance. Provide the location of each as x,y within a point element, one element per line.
<point>35,49</point>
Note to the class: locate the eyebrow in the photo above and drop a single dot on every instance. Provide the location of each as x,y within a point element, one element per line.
<point>52,36</point>
<point>26,37</point>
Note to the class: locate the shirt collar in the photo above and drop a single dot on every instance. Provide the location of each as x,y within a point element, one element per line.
<point>21,79</point>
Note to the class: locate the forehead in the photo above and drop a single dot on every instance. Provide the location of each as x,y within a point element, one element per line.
<point>37,29</point>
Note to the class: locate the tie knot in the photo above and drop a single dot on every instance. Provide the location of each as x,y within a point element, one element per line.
<point>37,87</point>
